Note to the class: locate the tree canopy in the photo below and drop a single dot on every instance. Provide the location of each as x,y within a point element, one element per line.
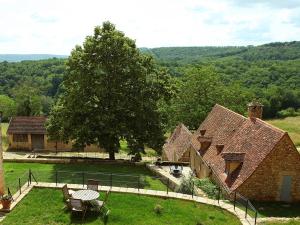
<point>110,92</point>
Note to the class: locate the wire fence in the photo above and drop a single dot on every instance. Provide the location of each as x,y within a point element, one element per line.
<point>238,201</point>
<point>128,181</point>
<point>19,185</point>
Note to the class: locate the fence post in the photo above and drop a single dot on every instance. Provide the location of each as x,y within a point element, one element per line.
<point>234,202</point>
<point>255,217</point>
<point>30,176</point>
<point>111,180</point>
<point>56,177</point>
<point>20,185</point>
<point>219,190</point>
<point>168,183</point>
<point>82,179</point>
<point>246,209</point>
<point>139,183</point>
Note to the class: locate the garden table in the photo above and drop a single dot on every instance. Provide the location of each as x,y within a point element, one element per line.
<point>86,195</point>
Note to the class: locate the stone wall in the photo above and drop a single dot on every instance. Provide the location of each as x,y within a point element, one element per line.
<point>185,157</point>
<point>197,165</point>
<point>19,145</point>
<point>49,145</point>
<point>266,182</point>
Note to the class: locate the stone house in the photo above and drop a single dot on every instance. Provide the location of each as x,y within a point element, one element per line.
<point>176,148</point>
<point>29,133</point>
<point>246,155</point>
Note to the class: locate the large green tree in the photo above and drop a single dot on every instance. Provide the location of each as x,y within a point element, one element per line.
<point>7,106</point>
<point>110,92</point>
<point>29,100</point>
<point>199,89</point>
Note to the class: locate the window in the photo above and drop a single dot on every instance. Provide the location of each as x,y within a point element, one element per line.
<point>20,138</point>
<point>227,168</point>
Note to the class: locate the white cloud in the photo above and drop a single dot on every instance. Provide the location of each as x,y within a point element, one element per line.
<point>56,26</point>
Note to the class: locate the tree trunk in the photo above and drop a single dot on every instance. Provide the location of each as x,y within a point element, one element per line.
<point>112,155</point>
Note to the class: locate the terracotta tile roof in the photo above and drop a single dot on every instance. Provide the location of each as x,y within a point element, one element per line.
<point>27,125</point>
<point>233,156</point>
<point>177,144</point>
<point>252,138</point>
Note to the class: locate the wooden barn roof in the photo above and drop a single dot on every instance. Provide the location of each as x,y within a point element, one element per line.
<point>252,138</point>
<point>177,144</point>
<point>27,125</point>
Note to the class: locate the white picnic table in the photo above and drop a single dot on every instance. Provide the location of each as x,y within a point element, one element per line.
<point>86,195</point>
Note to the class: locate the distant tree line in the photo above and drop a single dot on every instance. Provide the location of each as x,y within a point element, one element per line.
<point>29,87</point>
<point>201,76</point>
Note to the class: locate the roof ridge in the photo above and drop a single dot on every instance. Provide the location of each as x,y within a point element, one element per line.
<point>270,125</point>
<point>223,107</point>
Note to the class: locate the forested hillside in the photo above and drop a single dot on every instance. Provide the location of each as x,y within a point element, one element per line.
<point>29,87</point>
<point>202,76</point>
<point>22,57</point>
<point>177,56</point>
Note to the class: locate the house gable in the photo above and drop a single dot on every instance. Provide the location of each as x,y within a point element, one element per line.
<point>177,145</point>
<point>283,160</point>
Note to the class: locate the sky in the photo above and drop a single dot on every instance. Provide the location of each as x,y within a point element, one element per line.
<point>56,26</point>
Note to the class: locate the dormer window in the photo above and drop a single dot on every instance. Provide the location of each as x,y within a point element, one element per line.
<point>219,148</point>
<point>232,161</point>
<point>205,142</point>
<point>202,132</point>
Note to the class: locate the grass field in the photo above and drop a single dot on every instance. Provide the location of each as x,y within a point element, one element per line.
<point>289,222</point>
<point>125,209</point>
<point>139,174</point>
<point>291,125</point>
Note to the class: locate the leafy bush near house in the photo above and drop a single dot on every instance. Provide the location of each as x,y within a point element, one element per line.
<point>208,187</point>
<point>187,185</point>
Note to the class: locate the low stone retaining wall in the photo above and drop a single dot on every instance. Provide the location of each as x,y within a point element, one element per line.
<point>73,160</point>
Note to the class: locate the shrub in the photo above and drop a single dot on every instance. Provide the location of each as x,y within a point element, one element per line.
<point>208,187</point>
<point>187,185</point>
<point>288,112</point>
<point>158,209</point>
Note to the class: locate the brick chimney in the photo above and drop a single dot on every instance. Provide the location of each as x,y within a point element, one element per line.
<point>255,110</point>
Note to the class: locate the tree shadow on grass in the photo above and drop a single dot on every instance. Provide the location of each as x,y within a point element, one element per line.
<point>76,218</point>
<point>277,209</point>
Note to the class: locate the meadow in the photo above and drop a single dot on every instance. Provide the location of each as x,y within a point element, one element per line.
<point>291,125</point>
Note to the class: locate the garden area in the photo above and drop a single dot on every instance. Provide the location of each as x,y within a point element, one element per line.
<point>125,209</point>
<point>123,175</point>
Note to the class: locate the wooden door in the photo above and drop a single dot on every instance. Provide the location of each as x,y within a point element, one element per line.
<point>286,188</point>
<point>37,141</point>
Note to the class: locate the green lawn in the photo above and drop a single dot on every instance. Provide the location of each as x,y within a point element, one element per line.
<point>277,209</point>
<point>139,174</point>
<point>4,137</point>
<point>289,222</point>
<point>45,206</point>
<point>291,125</point>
